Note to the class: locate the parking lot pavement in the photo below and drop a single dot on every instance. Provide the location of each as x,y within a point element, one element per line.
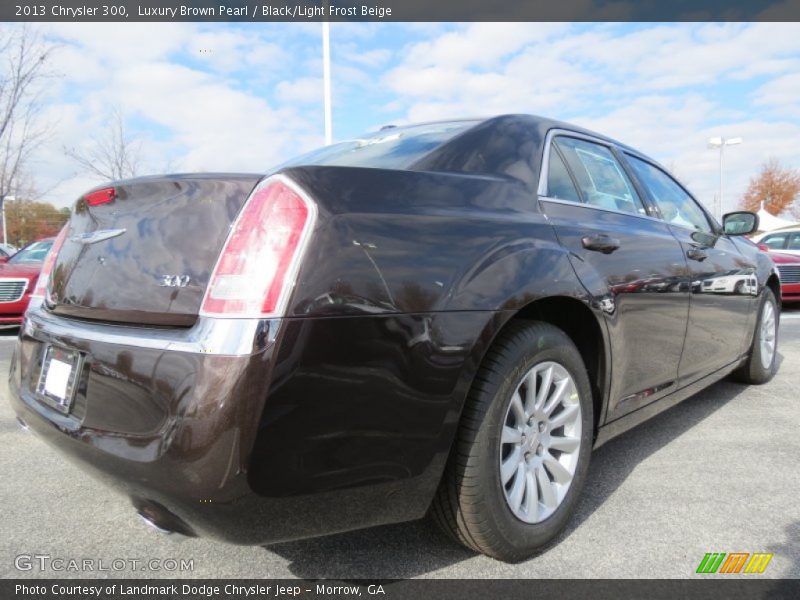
<point>717,473</point>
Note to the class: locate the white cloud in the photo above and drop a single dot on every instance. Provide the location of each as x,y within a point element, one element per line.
<point>253,97</point>
<point>191,110</point>
<point>663,89</point>
<point>782,93</point>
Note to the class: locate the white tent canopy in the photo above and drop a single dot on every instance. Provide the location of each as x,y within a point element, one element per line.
<point>769,222</point>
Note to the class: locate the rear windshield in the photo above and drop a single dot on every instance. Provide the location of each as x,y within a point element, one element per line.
<point>391,148</point>
<point>35,253</point>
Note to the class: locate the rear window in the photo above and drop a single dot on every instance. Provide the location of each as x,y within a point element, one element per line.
<point>392,148</point>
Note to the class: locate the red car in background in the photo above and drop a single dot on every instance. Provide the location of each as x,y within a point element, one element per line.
<point>18,277</point>
<point>789,270</point>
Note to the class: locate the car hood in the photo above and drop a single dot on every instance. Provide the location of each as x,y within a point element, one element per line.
<point>29,271</point>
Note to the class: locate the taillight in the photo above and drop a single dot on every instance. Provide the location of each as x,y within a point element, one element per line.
<point>256,270</point>
<point>49,261</point>
<point>98,197</point>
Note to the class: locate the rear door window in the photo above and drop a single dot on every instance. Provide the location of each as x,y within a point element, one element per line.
<point>676,205</point>
<point>794,242</point>
<point>559,182</point>
<point>601,179</point>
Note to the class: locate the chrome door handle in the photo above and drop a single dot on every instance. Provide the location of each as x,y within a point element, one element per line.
<point>601,242</point>
<point>697,254</point>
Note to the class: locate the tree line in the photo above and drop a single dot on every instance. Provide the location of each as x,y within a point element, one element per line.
<point>25,58</point>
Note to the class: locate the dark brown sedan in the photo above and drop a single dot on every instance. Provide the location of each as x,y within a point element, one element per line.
<point>443,318</point>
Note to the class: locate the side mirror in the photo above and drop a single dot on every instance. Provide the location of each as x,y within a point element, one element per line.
<point>740,222</point>
<point>3,259</point>
<point>763,247</point>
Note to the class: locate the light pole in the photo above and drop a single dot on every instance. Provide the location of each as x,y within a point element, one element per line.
<point>326,77</point>
<point>3,210</point>
<point>720,142</point>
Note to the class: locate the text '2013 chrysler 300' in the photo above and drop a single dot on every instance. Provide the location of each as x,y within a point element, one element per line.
<point>438,319</point>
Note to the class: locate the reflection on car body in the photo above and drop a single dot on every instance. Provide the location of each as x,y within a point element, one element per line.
<point>733,282</point>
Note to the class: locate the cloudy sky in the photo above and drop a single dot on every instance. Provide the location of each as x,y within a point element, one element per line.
<point>243,97</point>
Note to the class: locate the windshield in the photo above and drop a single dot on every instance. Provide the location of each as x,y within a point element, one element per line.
<point>389,148</point>
<point>34,253</point>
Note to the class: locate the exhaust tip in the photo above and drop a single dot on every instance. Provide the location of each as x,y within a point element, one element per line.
<point>153,525</point>
<point>160,519</point>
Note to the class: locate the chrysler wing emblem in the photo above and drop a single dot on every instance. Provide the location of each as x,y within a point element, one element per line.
<point>100,235</point>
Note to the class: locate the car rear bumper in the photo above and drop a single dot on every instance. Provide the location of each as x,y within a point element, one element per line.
<point>262,431</point>
<point>153,412</point>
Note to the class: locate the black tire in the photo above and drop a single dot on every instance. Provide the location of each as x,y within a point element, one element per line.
<point>470,504</point>
<point>753,370</point>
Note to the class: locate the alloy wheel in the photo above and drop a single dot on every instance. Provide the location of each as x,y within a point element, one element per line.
<point>767,334</point>
<point>540,442</point>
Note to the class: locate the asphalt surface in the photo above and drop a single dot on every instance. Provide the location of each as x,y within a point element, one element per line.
<point>717,473</point>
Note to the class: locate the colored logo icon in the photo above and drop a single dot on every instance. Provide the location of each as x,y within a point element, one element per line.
<point>734,562</point>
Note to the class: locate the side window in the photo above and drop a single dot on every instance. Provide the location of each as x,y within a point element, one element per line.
<point>601,179</point>
<point>559,183</point>
<point>676,206</point>
<point>794,242</point>
<point>776,241</point>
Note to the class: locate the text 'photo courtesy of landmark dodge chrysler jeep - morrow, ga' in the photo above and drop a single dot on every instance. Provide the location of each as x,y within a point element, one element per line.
<point>440,319</point>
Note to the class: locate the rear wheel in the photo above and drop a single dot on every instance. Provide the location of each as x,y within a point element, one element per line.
<point>523,446</point>
<point>761,363</point>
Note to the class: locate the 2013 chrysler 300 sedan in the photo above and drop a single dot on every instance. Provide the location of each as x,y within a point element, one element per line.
<point>443,318</point>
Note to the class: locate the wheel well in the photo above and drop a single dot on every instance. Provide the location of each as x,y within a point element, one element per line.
<point>575,319</point>
<point>775,285</point>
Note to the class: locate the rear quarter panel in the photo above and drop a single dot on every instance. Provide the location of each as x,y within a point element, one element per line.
<point>408,279</point>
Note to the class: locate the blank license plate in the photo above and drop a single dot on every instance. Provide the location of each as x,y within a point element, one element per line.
<point>60,370</point>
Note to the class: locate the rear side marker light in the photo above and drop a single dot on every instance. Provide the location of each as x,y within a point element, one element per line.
<point>99,197</point>
<point>49,261</point>
<point>255,273</point>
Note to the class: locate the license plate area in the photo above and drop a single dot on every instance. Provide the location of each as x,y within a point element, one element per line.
<point>59,377</point>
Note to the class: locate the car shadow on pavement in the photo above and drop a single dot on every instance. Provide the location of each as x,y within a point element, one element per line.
<point>412,549</point>
<point>614,461</point>
<point>787,549</point>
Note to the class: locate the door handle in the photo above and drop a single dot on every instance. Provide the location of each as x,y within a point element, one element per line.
<point>697,254</point>
<point>601,242</point>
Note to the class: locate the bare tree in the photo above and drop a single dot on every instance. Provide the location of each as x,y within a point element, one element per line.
<point>23,56</point>
<point>116,155</point>
<point>775,186</point>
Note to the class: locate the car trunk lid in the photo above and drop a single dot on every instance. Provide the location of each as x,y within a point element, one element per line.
<point>146,256</point>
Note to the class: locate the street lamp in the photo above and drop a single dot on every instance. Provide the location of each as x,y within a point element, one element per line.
<point>720,142</point>
<point>326,80</point>
<point>3,210</point>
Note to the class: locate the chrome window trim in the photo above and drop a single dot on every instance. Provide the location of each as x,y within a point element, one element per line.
<point>545,169</point>
<point>608,210</point>
<point>548,140</point>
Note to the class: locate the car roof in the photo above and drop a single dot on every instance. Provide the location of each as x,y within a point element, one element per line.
<point>542,123</point>
<point>502,144</point>
<point>789,229</point>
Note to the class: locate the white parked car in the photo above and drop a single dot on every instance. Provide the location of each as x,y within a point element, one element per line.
<point>734,282</point>
<point>786,241</point>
